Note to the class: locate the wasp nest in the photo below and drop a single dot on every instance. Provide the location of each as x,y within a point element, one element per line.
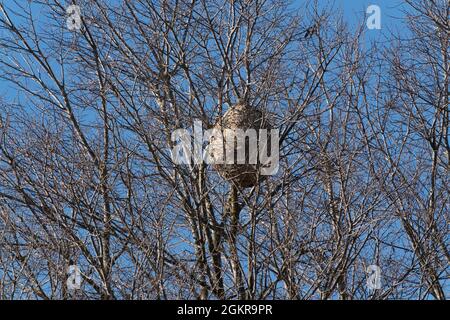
<point>238,119</point>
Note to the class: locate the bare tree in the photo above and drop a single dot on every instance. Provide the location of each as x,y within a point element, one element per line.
<point>87,177</point>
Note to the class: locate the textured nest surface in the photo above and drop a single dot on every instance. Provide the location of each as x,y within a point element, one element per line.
<point>238,117</point>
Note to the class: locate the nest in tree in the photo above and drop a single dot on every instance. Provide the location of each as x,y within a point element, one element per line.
<point>238,118</point>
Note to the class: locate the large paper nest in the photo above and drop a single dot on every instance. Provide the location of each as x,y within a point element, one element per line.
<point>241,117</point>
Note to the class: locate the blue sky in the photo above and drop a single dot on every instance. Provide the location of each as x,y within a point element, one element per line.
<point>353,8</point>
<point>355,11</point>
